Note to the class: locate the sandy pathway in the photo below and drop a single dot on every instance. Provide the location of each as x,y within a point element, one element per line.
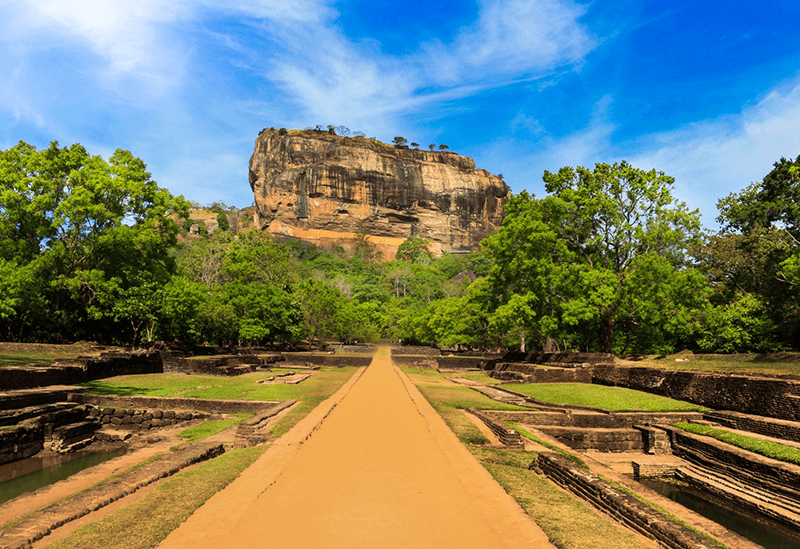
<point>382,471</point>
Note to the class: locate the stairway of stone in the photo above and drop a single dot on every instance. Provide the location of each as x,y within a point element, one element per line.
<point>500,396</point>
<point>753,496</point>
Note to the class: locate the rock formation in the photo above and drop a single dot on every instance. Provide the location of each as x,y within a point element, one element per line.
<point>325,189</point>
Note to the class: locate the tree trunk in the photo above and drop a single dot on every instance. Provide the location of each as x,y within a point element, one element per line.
<point>607,335</point>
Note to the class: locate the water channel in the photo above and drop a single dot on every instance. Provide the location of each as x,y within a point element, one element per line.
<point>33,473</point>
<point>764,531</point>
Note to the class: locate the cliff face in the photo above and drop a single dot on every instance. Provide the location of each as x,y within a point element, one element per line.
<point>324,189</point>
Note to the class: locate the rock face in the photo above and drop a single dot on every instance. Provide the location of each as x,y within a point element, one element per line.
<point>325,189</point>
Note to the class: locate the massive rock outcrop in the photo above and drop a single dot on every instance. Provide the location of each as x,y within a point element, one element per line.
<point>325,189</point>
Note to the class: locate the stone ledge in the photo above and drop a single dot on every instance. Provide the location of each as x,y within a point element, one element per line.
<point>40,524</point>
<point>621,506</point>
<point>167,403</point>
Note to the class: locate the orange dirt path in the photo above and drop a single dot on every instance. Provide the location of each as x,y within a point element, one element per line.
<point>383,470</point>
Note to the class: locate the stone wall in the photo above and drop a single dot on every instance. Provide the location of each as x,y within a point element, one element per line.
<point>750,468</point>
<point>142,419</point>
<point>414,361</point>
<point>623,507</point>
<point>460,362</point>
<point>166,403</point>
<point>20,442</point>
<point>563,359</point>
<point>530,373</point>
<point>602,440</point>
<point>763,396</point>
<point>81,369</point>
<point>414,350</point>
<point>508,437</point>
<point>594,420</point>
<point>221,365</point>
<point>653,470</point>
<point>777,428</point>
<point>325,360</point>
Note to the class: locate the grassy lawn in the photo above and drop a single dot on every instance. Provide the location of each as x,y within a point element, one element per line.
<point>614,399</point>
<point>773,450</point>
<point>776,364</point>
<point>568,522</point>
<point>18,354</point>
<point>245,387</point>
<point>211,427</point>
<point>146,522</point>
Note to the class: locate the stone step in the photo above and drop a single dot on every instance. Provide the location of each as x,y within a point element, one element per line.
<point>749,495</point>
<point>113,435</point>
<point>13,417</point>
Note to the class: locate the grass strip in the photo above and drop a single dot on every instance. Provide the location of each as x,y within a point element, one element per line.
<point>614,399</point>
<point>661,510</point>
<point>310,393</point>
<point>146,522</point>
<point>780,452</point>
<point>211,427</point>
<point>568,455</point>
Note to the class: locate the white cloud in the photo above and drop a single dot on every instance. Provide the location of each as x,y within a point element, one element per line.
<point>714,158</point>
<point>708,159</point>
<point>520,36</point>
<point>332,78</point>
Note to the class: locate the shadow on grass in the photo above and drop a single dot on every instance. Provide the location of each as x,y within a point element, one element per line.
<point>97,389</point>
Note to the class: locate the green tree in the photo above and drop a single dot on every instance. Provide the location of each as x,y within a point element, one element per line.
<point>757,247</point>
<point>576,255</point>
<point>400,142</point>
<point>414,250</point>
<point>79,227</point>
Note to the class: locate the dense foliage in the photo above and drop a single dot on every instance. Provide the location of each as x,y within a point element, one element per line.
<point>607,261</point>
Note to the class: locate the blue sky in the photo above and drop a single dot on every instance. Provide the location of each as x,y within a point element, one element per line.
<point>706,91</point>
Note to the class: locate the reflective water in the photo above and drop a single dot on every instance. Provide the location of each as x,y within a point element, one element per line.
<point>33,473</point>
<point>765,532</point>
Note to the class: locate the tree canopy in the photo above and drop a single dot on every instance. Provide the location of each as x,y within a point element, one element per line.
<point>602,254</point>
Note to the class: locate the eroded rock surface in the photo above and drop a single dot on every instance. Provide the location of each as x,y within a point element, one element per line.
<point>324,189</point>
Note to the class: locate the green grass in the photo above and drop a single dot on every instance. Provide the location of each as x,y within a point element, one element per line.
<point>146,522</point>
<point>568,455</point>
<point>310,393</point>
<point>211,427</point>
<point>614,399</point>
<point>661,510</point>
<point>43,357</point>
<point>773,450</point>
<point>568,522</point>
